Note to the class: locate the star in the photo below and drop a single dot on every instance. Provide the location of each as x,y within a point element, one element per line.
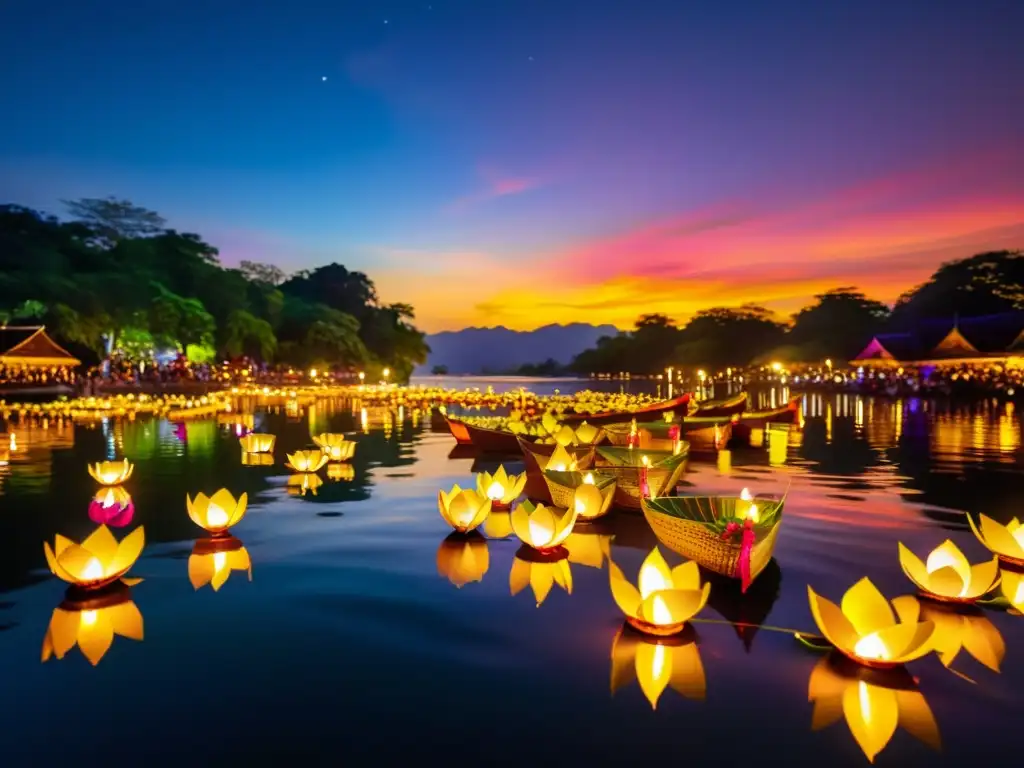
<point>529,58</point>
<point>323,79</point>
<point>385,21</point>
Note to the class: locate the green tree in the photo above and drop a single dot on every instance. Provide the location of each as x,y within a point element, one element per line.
<point>246,334</point>
<point>838,325</point>
<point>112,220</point>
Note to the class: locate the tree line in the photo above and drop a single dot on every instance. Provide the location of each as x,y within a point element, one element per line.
<point>837,325</point>
<point>113,279</point>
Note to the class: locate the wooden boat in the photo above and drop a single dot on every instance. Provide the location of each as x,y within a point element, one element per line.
<point>647,413</point>
<point>459,431</point>
<point>535,459</point>
<point>754,420</point>
<point>695,527</point>
<point>487,440</point>
<point>725,407</point>
<point>705,435</point>
<point>438,421</point>
<point>562,487</point>
<point>663,472</point>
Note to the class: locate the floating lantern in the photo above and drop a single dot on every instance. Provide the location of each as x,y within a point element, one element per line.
<point>1013,589</point>
<point>462,559</point>
<point>1006,541</point>
<point>255,442</point>
<point>866,630</point>
<point>947,575</point>
<point>587,434</point>
<point>657,663</point>
<point>561,460</point>
<point>462,509</point>
<point>303,483</point>
<point>112,506</point>
<point>97,561</point>
<point>216,513</point>
<point>335,446</point>
<point>539,575</point>
<point>338,471</point>
<point>212,561</point>
<point>257,459</point>
<point>91,625</point>
<point>111,472</point>
<point>498,525</point>
<point>588,501</point>
<point>501,488</point>
<point>542,528</point>
<point>957,630</point>
<point>306,461</point>
<point>664,600</point>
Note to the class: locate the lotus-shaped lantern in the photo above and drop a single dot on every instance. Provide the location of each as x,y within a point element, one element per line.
<point>498,525</point>
<point>657,663</point>
<point>866,630</point>
<point>338,472</point>
<point>213,559</point>
<point>1013,589</point>
<point>257,459</point>
<point>216,513</point>
<point>561,460</point>
<point>587,434</point>
<point>462,559</point>
<point>873,702</point>
<point>306,461</point>
<point>256,442</point>
<point>589,494</point>
<point>304,482</point>
<point>539,574</point>
<point>462,509</point>
<point>92,624</point>
<point>1006,541</point>
<point>112,506</point>
<point>542,528</point>
<point>968,629</point>
<point>501,488</point>
<point>97,561</point>
<point>664,600</point>
<point>335,446</point>
<point>111,472</point>
<point>947,576</point>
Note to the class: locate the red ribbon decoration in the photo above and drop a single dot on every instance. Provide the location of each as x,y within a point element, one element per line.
<point>673,432</point>
<point>746,547</point>
<point>645,489</point>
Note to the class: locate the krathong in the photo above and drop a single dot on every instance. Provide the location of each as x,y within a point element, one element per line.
<point>462,509</point>
<point>501,488</point>
<point>306,461</point>
<point>216,513</point>
<point>664,599</point>
<point>1006,541</point>
<point>335,446</point>
<point>304,482</point>
<point>640,475</point>
<point>256,442</point>
<point>947,576</point>
<point>463,559</point>
<point>542,528</point>
<point>111,473</point>
<point>97,561</point>
<point>213,559</point>
<point>866,630</point>
<point>970,630</point>
<point>112,506</point>
<point>590,494</point>
<point>657,663</point>
<point>874,704</point>
<point>91,624</point>
<point>539,575</point>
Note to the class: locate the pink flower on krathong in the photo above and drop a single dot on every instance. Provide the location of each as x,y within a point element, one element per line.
<point>112,507</point>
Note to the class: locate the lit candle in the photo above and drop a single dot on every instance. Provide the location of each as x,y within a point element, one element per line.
<point>645,488</point>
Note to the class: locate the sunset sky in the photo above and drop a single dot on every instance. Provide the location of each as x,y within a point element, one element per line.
<point>521,162</point>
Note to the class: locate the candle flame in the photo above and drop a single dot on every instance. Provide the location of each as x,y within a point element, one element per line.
<point>589,478</point>
<point>871,647</point>
<point>495,491</point>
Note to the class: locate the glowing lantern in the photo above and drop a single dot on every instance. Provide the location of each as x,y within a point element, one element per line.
<point>306,461</point>
<point>586,434</point>
<point>255,442</point>
<point>97,561</point>
<point>1013,589</point>
<point>303,483</point>
<point>463,510</point>
<point>948,576</point>
<point>588,501</point>
<point>540,576</point>
<point>112,506</point>
<point>664,600</point>
<point>92,625</point>
<point>216,513</point>
<point>542,527</point>
<point>1006,541</point>
<point>462,559</point>
<point>501,488</point>
<point>657,664</point>
<point>111,472</point>
<point>956,630</point>
<point>866,630</point>
<point>335,446</point>
<point>564,436</point>
<point>213,560</point>
<point>338,472</point>
<point>498,525</point>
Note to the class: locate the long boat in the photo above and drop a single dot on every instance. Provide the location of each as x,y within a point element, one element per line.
<point>705,435</point>
<point>487,440</point>
<point>535,459</point>
<point>651,412</point>
<point>751,420</point>
<point>459,431</point>
<point>725,407</point>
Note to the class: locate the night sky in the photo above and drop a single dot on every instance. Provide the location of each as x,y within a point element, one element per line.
<point>521,162</point>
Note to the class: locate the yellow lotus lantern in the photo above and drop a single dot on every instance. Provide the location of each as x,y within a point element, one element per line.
<point>542,528</point>
<point>1013,589</point>
<point>212,561</point>
<point>501,488</point>
<point>216,513</point>
<point>111,472</point>
<point>539,575</point>
<point>957,630</point>
<point>303,483</point>
<point>657,664</point>
<point>666,598</point>
<point>257,459</point>
<point>97,561</point>
<point>587,433</point>
<point>338,472</point>
<point>588,502</point>
<point>306,461</point>
<point>866,630</point>
<point>462,559</point>
<point>335,446</point>
<point>257,443</point>
<point>498,525</point>
<point>947,576</point>
<point>874,707</point>
<point>92,625</point>
<point>561,460</point>
<point>462,509</point>
<point>1006,541</point>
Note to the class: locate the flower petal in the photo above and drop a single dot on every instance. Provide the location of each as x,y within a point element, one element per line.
<point>687,672</point>
<point>983,641</point>
<point>626,596</point>
<point>519,576</point>
<point>984,578</point>
<point>948,554</point>
<point>128,551</point>
<point>906,642</point>
<point>872,713</point>
<point>836,627</point>
<point>999,539</point>
<point>653,670</point>
<point>102,544</point>
<point>655,574</point>
<point>866,608</point>
<point>686,575</point>
<point>672,606</point>
<point>913,567</point>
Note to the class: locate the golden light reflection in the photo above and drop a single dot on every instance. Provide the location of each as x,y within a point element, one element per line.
<point>213,559</point>
<point>97,561</point>
<point>725,462</point>
<point>539,573</point>
<point>341,472</point>
<point>257,459</point>
<point>463,558</point>
<point>657,663</point>
<point>958,628</point>
<point>304,482</point>
<point>589,549</point>
<point>91,624</point>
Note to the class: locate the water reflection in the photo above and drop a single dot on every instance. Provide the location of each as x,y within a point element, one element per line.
<point>746,611</point>
<point>658,663</point>
<point>589,547</point>
<point>250,459</point>
<point>214,558</point>
<point>498,525</point>
<point>92,623</point>
<point>540,572</point>
<point>341,473</point>
<point>463,558</point>
<point>304,482</point>
<point>962,628</point>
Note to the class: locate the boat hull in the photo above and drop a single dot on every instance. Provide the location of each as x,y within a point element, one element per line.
<point>459,431</point>
<point>728,407</point>
<point>650,413</point>
<point>535,456</point>
<point>488,440</point>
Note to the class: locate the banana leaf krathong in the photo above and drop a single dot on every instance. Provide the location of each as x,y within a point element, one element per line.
<point>562,487</point>
<point>641,474</point>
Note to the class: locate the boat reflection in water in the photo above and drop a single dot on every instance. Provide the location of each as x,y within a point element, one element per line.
<point>463,558</point>
<point>657,663</point>
<point>214,558</point>
<point>746,612</point>
<point>91,623</point>
<point>540,572</point>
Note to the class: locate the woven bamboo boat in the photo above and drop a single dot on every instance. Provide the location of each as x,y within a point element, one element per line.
<point>648,413</point>
<point>725,407</point>
<point>626,465</point>
<point>751,420</point>
<point>693,526</point>
<point>562,488</point>
<point>459,431</point>
<point>535,458</point>
<point>705,435</point>
<point>487,440</point>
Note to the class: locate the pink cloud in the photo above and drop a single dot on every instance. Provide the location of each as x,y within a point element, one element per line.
<point>494,185</point>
